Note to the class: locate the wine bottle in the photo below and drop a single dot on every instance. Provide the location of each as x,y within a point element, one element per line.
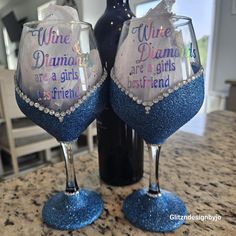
<point>120,148</point>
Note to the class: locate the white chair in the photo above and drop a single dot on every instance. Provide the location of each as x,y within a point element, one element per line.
<point>18,135</point>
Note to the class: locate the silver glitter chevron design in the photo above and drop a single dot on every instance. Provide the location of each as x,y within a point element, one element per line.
<point>62,114</point>
<point>148,105</point>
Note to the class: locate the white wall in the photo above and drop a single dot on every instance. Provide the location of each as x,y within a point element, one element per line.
<point>92,10</point>
<point>224,66</point>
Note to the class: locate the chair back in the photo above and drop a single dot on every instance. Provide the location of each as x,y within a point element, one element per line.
<point>10,110</point>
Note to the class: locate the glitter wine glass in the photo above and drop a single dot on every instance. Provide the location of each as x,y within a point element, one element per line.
<point>157,86</point>
<point>59,86</point>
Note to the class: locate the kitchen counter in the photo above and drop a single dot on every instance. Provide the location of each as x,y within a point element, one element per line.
<point>200,169</point>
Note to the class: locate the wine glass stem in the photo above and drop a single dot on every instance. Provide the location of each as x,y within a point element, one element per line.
<point>71,182</point>
<point>154,154</point>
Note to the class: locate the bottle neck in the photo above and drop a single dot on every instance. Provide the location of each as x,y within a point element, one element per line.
<point>114,3</point>
<point>70,3</point>
<point>126,4</point>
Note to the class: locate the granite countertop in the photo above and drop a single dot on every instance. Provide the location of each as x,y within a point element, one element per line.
<point>200,169</point>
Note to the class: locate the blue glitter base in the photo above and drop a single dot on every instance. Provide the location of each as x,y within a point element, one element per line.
<point>73,125</point>
<point>71,212</point>
<point>165,117</point>
<point>153,213</point>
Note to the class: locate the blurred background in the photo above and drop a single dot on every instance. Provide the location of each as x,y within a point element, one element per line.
<point>215,27</point>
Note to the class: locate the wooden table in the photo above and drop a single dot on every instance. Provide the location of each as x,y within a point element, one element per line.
<point>200,169</point>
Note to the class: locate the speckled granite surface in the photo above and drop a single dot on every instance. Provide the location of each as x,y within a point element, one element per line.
<point>200,169</point>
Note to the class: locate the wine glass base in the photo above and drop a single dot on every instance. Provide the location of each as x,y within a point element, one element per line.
<point>71,212</point>
<point>154,213</point>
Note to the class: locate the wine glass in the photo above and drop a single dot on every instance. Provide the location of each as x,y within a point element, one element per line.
<point>157,86</point>
<point>60,86</point>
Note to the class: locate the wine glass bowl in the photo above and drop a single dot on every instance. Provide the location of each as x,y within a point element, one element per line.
<point>61,75</point>
<point>152,83</point>
<point>157,86</point>
<point>61,87</point>
<point>162,120</point>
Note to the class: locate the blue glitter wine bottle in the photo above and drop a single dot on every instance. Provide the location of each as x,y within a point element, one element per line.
<point>156,93</point>
<point>59,86</point>
<point>120,148</point>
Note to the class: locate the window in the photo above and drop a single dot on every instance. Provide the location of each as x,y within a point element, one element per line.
<point>202,24</point>
<point>201,13</point>
<point>142,8</point>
